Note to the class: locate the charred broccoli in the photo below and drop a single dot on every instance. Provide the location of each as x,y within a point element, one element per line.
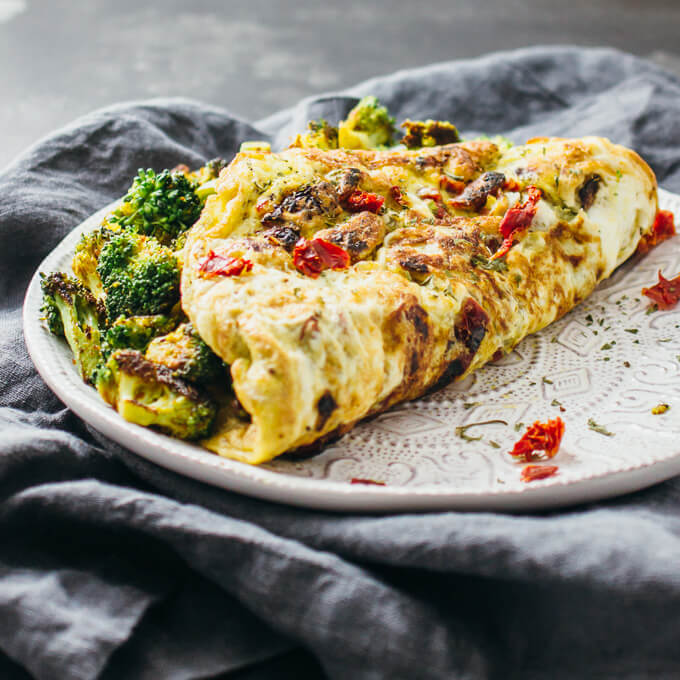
<point>210,170</point>
<point>421,133</point>
<point>186,355</point>
<point>135,332</point>
<point>139,276</point>
<point>162,205</point>
<point>206,184</point>
<point>367,126</point>
<point>71,311</point>
<point>86,257</point>
<point>149,394</point>
<point>320,135</point>
<point>206,177</point>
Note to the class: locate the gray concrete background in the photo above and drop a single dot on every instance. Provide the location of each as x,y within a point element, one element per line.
<point>62,58</point>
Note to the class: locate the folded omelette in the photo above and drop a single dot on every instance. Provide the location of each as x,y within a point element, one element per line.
<point>338,283</point>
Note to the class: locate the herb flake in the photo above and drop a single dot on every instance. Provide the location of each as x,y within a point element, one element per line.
<point>600,429</point>
<point>461,430</point>
<point>498,265</point>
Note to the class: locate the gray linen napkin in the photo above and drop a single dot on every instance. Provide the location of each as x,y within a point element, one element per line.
<point>112,567</point>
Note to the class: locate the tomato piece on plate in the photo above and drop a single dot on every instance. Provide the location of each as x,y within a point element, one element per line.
<point>544,437</point>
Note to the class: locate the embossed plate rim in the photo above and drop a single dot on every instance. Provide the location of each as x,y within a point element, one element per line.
<point>53,362</point>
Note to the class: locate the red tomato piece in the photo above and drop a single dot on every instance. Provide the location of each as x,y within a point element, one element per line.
<point>219,265</point>
<point>438,209</point>
<point>539,437</point>
<point>398,196</point>
<point>666,293</point>
<point>453,186</point>
<point>359,200</point>
<point>313,256</point>
<point>531,473</point>
<point>517,220</point>
<point>662,229</point>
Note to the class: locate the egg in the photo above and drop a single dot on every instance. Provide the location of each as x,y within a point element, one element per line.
<point>444,258</point>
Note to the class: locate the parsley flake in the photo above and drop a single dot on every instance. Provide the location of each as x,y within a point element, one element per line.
<point>498,265</point>
<point>595,427</point>
<point>461,430</point>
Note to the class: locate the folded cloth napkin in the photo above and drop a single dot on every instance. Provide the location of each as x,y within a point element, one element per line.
<point>112,567</point>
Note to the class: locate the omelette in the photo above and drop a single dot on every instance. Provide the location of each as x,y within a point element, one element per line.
<point>337,283</point>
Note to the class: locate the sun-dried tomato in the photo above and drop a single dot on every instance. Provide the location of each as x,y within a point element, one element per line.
<point>662,229</point>
<point>359,480</point>
<point>471,325</point>
<point>438,209</point>
<point>398,196</point>
<point>453,186</point>
<point>518,219</point>
<point>219,265</point>
<point>666,293</point>
<point>313,256</point>
<point>539,437</point>
<point>359,200</point>
<point>531,473</point>
<point>429,194</point>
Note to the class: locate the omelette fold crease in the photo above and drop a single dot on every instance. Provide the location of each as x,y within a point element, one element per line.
<point>423,300</point>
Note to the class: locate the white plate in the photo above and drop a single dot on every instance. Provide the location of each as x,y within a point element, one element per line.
<point>414,449</point>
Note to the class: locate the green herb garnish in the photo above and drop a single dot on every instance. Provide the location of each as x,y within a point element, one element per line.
<point>461,430</point>
<point>595,427</point>
<point>498,265</point>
